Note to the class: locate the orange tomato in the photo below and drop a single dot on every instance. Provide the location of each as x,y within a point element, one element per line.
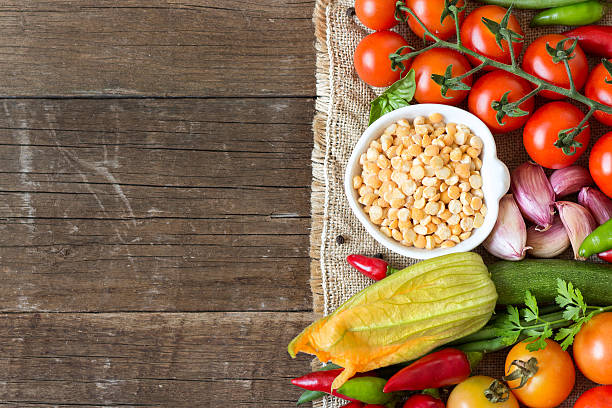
<point>553,381</point>
<point>593,349</point>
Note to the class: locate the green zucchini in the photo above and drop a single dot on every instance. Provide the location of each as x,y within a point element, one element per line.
<point>539,276</point>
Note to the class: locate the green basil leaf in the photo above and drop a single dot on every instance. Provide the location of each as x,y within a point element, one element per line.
<point>398,95</point>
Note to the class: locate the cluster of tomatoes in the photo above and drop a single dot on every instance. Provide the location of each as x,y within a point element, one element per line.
<point>541,128</point>
<point>552,381</point>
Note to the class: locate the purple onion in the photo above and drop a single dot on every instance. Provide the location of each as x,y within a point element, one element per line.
<point>597,202</point>
<point>570,180</point>
<point>534,195</point>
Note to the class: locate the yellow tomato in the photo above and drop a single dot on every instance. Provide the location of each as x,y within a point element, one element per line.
<point>471,394</point>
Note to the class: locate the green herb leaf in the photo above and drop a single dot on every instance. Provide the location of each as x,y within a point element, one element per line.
<point>532,312</point>
<point>571,300</point>
<point>396,96</point>
<point>567,335</point>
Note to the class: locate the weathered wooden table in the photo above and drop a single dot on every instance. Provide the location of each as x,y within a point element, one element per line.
<point>154,201</point>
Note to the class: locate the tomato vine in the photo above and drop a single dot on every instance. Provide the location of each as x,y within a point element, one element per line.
<point>566,138</point>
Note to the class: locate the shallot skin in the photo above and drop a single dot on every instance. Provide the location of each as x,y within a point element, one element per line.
<point>597,203</point>
<point>569,180</point>
<point>509,235</point>
<point>550,243</point>
<point>534,195</point>
<point>578,223</point>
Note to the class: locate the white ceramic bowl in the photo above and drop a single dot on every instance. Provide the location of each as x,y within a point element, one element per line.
<point>495,176</point>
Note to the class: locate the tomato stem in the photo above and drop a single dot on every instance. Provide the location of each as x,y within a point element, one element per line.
<point>471,71</point>
<point>568,143</point>
<point>456,17</point>
<point>569,75</point>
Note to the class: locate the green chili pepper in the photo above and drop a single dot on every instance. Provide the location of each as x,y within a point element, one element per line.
<point>584,13</point>
<point>366,389</point>
<point>308,396</point>
<point>600,240</point>
<point>531,4</point>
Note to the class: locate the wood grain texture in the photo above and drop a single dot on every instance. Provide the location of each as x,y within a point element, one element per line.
<point>156,48</point>
<point>154,201</point>
<point>149,359</point>
<point>180,205</point>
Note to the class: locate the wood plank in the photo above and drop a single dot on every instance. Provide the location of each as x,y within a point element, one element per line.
<point>156,48</point>
<point>150,359</point>
<point>98,216</point>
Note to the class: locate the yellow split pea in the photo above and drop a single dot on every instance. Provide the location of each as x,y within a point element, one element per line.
<point>421,182</point>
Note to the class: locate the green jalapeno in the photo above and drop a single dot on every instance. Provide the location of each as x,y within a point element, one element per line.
<point>600,240</point>
<point>577,14</point>
<point>366,389</point>
<point>531,4</point>
<point>308,396</point>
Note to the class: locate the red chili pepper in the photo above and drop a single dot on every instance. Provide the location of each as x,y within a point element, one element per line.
<point>320,381</point>
<point>354,404</point>
<point>445,367</point>
<point>423,401</point>
<point>606,256</point>
<point>593,39</point>
<point>374,268</point>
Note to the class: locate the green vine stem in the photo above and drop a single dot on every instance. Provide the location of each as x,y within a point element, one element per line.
<point>566,137</point>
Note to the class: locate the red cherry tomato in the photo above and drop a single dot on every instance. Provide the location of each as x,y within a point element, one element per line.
<point>372,61</point>
<point>542,129</point>
<point>596,88</point>
<point>491,87</point>
<point>537,62</point>
<point>435,61</point>
<point>376,14</point>
<point>423,401</point>
<point>598,397</point>
<point>600,163</point>
<point>593,349</point>
<point>430,13</point>
<point>476,36</point>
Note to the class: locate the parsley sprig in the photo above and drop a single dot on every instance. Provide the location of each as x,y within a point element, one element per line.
<point>529,325</point>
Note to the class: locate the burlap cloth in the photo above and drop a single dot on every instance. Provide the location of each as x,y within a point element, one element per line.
<point>341,117</point>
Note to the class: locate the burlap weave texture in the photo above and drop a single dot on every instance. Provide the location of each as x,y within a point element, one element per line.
<point>342,116</point>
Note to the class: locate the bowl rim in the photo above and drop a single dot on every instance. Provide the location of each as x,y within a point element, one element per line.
<point>492,168</point>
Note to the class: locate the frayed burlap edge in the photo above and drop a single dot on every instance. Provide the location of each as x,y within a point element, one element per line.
<point>319,125</point>
<point>317,198</point>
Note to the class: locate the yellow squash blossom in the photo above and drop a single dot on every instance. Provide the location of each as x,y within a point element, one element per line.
<point>403,316</point>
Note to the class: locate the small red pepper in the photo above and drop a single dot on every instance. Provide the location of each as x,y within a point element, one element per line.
<point>606,256</point>
<point>374,268</point>
<point>593,39</point>
<point>320,381</point>
<point>423,401</point>
<point>354,404</point>
<point>445,367</point>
